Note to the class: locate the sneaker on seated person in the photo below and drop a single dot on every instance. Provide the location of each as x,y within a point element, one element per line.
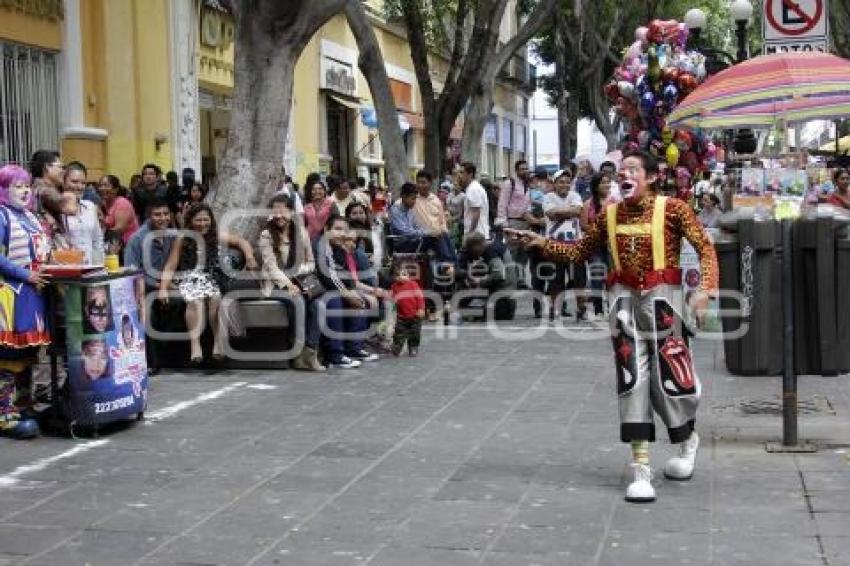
<point>363,356</point>
<point>344,363</point>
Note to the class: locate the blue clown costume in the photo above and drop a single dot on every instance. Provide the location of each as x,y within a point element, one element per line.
<point>23,329</point>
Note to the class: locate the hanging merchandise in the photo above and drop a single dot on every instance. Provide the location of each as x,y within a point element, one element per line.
<point>656,74</point>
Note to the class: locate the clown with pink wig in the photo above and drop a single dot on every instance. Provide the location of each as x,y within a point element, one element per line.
<point>23,248</point>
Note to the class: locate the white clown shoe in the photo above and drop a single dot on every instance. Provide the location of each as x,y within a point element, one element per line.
<point>641,490</point>
<point>681,467</point>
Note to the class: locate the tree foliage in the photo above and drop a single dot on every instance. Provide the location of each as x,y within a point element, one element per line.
<point>840,26</point>
<point>451,43</point>
<point>596,34</point>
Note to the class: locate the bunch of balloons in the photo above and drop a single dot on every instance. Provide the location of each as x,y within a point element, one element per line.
<point>657,73</point>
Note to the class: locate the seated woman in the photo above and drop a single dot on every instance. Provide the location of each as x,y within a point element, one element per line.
<point>286,251</point>
<point>367,234</point>
<point>338,268</point>
<point>195,263</point>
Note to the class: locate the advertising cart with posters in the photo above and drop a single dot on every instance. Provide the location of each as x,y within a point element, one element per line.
<point>103,348</point>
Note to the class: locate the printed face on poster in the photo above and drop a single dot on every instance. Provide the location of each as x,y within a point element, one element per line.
<point>106,351</point>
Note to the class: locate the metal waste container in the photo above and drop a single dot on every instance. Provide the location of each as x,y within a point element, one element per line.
<point>749,254</point>
<point>821,307</point>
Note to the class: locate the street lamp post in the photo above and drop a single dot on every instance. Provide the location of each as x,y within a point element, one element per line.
<point>717,60</point>
<point>742,11</point>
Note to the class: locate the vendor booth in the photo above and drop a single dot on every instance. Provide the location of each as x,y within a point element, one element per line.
<point>94,319</point>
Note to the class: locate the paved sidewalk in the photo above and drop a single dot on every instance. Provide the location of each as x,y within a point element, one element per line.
<point>479,452</point>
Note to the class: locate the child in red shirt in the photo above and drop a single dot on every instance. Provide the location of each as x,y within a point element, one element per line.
<point>410,310</point>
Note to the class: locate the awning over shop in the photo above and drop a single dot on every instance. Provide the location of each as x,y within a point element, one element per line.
<point>351,103</point>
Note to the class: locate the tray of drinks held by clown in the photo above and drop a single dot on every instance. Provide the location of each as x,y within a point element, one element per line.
<point>68,264</point>
<point>71,270</point>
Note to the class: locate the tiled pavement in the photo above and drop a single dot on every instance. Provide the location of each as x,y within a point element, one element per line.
<point>482,451</point>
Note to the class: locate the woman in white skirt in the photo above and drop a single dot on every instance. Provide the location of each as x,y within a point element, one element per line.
<point>195,264</point>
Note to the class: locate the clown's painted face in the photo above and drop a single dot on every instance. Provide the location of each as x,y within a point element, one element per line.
<point>634,179</point>
<point>20,194</point>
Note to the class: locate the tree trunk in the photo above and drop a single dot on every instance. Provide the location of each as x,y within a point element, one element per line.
<point>601,110</point>
<point>436,145</point>
<point>475,121</point>
<point>269,38</point>
<point>481,100</point>
<point>372,64</point>
<point>567,127</point>
<point>251,168</point>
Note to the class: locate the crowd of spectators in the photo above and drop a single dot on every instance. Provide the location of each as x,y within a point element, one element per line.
<point>350,251</point>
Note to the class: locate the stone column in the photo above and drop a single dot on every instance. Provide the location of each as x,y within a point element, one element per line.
<point>183,39</point>
<point>71,97</point>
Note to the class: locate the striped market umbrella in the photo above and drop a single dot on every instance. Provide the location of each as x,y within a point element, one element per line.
<point>769,90</point>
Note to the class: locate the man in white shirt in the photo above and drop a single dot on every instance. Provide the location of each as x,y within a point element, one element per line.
<point>476,206</point>
<point>610,168</point>
<point>562,208</point>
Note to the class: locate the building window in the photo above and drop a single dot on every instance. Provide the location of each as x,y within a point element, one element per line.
<point>402,95</point>
<point>29,109</point>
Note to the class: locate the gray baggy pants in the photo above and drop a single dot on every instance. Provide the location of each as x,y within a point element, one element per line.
<point>655,371</point>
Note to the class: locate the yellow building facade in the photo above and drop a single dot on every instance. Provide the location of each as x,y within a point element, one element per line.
<point>111,91</point>
<point>119,83</point>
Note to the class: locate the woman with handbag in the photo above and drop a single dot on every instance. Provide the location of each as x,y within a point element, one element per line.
<point>195,261</point>
<point>288,266</point>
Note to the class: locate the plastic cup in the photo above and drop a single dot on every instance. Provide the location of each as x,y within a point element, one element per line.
<point>111,263</point>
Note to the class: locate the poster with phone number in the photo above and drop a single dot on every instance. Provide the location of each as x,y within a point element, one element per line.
<point>105,343</point>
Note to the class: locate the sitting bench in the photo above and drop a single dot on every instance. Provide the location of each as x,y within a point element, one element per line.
<point>267,339</point>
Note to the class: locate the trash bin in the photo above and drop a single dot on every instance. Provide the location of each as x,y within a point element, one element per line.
<point>821,310</point>
<point>842,301</point>
<point>749,254</point>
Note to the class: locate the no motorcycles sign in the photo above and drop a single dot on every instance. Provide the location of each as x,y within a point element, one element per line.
<point>795,25</point>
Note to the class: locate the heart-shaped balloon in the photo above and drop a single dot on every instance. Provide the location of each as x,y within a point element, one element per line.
<point>663,31</point>
<point>684,140</point>
<point>670,75</point>
<point>687,83</point>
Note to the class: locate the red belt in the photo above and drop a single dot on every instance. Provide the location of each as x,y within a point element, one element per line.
<point>670,276</point>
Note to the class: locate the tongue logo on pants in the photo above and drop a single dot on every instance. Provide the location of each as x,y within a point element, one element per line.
<point>678,357</point>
